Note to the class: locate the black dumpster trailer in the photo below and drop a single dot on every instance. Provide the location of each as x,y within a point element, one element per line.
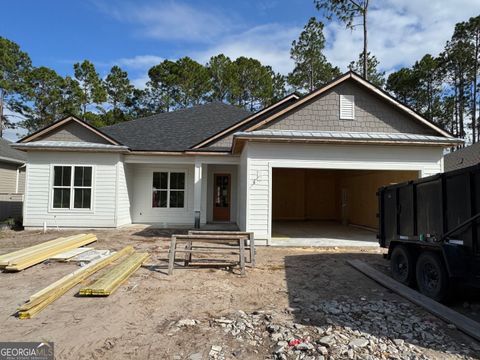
<point>431,227</point>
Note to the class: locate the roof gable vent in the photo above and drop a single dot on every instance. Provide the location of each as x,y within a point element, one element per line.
<point>347,107</point>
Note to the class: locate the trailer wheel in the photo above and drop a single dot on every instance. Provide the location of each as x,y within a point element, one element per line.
<point>432,277</point>
<point>403,265</point>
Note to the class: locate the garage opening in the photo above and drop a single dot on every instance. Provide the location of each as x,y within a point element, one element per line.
<point>328,207</point>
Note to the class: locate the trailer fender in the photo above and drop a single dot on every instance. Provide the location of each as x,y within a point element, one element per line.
<point>455,260</point>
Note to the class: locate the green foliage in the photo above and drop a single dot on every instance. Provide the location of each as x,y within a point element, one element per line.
<point>420,87</point>
<point>220,69</point>
<point>251,84</point>
<point>162,91</point>
<point>312,69</point>
<point>193,82</point>
<point>374,75</point>
<point>118,88</point>
<point>444,89</point>
<point>14,68</point>
<point>93,91</point>
<point>348,11</point>
<point>344,10</point>
<point>45,98</point>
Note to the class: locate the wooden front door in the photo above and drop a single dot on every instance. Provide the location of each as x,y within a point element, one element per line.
<point>221,197</point>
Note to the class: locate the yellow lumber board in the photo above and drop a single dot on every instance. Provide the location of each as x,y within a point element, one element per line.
<point>111,280</point>
<point>66,255</point>
<point>54,291</point>
<point>6,258</point>
<point>29,260</point>
<point>33,252</point>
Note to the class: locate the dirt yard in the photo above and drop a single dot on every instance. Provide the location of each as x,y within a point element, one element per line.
<point>296,304</point>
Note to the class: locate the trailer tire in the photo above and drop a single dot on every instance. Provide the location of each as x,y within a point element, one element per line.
<point>402,263</point>
<point>432,276</point>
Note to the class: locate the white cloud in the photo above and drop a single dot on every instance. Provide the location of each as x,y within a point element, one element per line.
<point>168,20</point>
<point>140,82</point>
<point>400,32</point>
<point>139,61</point>
<point>268,43</point>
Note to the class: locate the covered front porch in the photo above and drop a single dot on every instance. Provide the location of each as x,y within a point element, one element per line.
<point>183,191</point>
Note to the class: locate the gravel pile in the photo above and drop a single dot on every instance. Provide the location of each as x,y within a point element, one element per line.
<point>341,329</point>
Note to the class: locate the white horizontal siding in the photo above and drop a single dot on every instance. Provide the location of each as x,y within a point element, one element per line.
<point>37,209</point>
<point>262,157</point>
<point>142,210</point>
<point>123,201</point>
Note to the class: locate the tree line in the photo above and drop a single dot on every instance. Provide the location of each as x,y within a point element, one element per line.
<point>39,95</point>
<point>444,89</point>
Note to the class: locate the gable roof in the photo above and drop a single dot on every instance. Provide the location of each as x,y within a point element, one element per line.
<point>360,80</point>
<point>462,158</point>
<point>57,124</point>
<point>7,153</point>
<point>177,130</point>
<point>252,117</point>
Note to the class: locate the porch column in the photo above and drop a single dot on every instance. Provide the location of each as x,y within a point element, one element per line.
<point>197,193</point>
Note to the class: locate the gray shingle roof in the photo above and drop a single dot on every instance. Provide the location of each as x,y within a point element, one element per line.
<point>465,157</point>
<point>178,130</point>
<point>7,152</point>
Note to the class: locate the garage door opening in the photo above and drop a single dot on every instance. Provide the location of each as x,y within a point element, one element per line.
<point>328,207</point>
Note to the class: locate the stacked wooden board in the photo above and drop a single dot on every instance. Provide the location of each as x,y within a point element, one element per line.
<point>112,279</point>
<point>22,259</point>
<point>46,296</point>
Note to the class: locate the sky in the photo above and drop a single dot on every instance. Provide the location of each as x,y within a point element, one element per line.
<point>137,34</point>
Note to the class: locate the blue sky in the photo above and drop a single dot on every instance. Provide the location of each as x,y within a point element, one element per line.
<point>138,34</point>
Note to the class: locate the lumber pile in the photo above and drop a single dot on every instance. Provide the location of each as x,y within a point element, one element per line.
<point>67,255</point>
<point>112,279</point>
<point>48,295</point>
<point>22,259</point>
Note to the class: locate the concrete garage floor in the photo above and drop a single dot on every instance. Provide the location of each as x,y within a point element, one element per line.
<point>320,233</point>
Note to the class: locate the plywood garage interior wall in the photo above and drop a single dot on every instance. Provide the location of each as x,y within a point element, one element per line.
<point>313,194</point>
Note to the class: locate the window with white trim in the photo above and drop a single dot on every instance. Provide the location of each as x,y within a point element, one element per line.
<point>347,107</point>
<point>168,189</point>
<point>72,192</point>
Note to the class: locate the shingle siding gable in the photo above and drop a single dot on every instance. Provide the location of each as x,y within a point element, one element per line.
<point>72,131</point>
<point>372,114</point>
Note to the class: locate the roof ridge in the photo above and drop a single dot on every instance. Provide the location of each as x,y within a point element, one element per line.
<point>176,111</point>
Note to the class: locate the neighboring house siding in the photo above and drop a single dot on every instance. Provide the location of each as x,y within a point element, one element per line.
<point>39,190</point>
<point>123,201</point>
<point>8,177</point>
<point>462,158</point>
<point>142,210</point>
<point>73,131</point>
<point>372,114</point>
<point>262,157</point>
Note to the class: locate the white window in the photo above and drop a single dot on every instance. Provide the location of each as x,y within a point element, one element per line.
<point>168,189</point>
<point>72,187</point>
<point>347,107</point>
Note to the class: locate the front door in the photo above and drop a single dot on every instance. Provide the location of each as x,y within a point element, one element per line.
<point>221,197</point>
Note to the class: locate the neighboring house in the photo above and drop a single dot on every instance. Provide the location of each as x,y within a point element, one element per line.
<point>12,180</point>
<point>319,157</point>
<point>462,158</point>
